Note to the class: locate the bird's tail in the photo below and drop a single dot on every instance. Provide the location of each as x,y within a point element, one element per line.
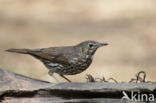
<point>23,51</point>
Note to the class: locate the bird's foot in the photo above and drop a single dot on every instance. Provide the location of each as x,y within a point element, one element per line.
<point>65,78</point>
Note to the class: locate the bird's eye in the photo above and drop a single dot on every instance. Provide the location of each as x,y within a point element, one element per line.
<point>91,45</point>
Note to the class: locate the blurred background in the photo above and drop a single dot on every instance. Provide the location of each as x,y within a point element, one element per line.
<point>129,26</point>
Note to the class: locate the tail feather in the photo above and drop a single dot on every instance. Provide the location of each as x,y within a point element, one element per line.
<point>23,51</point>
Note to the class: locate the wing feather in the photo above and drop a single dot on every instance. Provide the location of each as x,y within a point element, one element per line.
<point>53,54</point>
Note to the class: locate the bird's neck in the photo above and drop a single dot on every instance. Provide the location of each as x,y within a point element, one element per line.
<point>83,53</point>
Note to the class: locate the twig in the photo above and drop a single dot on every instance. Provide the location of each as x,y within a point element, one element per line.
<point>90,78</point>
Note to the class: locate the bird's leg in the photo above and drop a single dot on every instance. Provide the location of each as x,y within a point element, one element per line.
<point>65,78</point>
<point>52,74</point>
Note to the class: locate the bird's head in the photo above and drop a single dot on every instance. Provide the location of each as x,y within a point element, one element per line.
<point>90,46</point>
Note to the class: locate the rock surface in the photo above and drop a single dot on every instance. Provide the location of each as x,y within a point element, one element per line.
<point>15,88</point>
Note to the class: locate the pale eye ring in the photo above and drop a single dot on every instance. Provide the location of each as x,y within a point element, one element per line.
<point>91,45</point>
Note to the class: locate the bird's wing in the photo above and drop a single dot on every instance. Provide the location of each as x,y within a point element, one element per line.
<point>50,54</point>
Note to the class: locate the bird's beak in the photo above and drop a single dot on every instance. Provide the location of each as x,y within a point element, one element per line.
<point>103,44</point>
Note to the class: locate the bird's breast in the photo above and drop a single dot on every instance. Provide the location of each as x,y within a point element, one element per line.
<point>80,63</point>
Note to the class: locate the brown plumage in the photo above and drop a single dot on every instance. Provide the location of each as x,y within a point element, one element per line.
<point>66,60</point>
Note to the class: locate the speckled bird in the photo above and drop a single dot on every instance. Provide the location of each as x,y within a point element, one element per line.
<point>65,60</point>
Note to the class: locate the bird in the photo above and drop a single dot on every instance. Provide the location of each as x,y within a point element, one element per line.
<point>65,60</point>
